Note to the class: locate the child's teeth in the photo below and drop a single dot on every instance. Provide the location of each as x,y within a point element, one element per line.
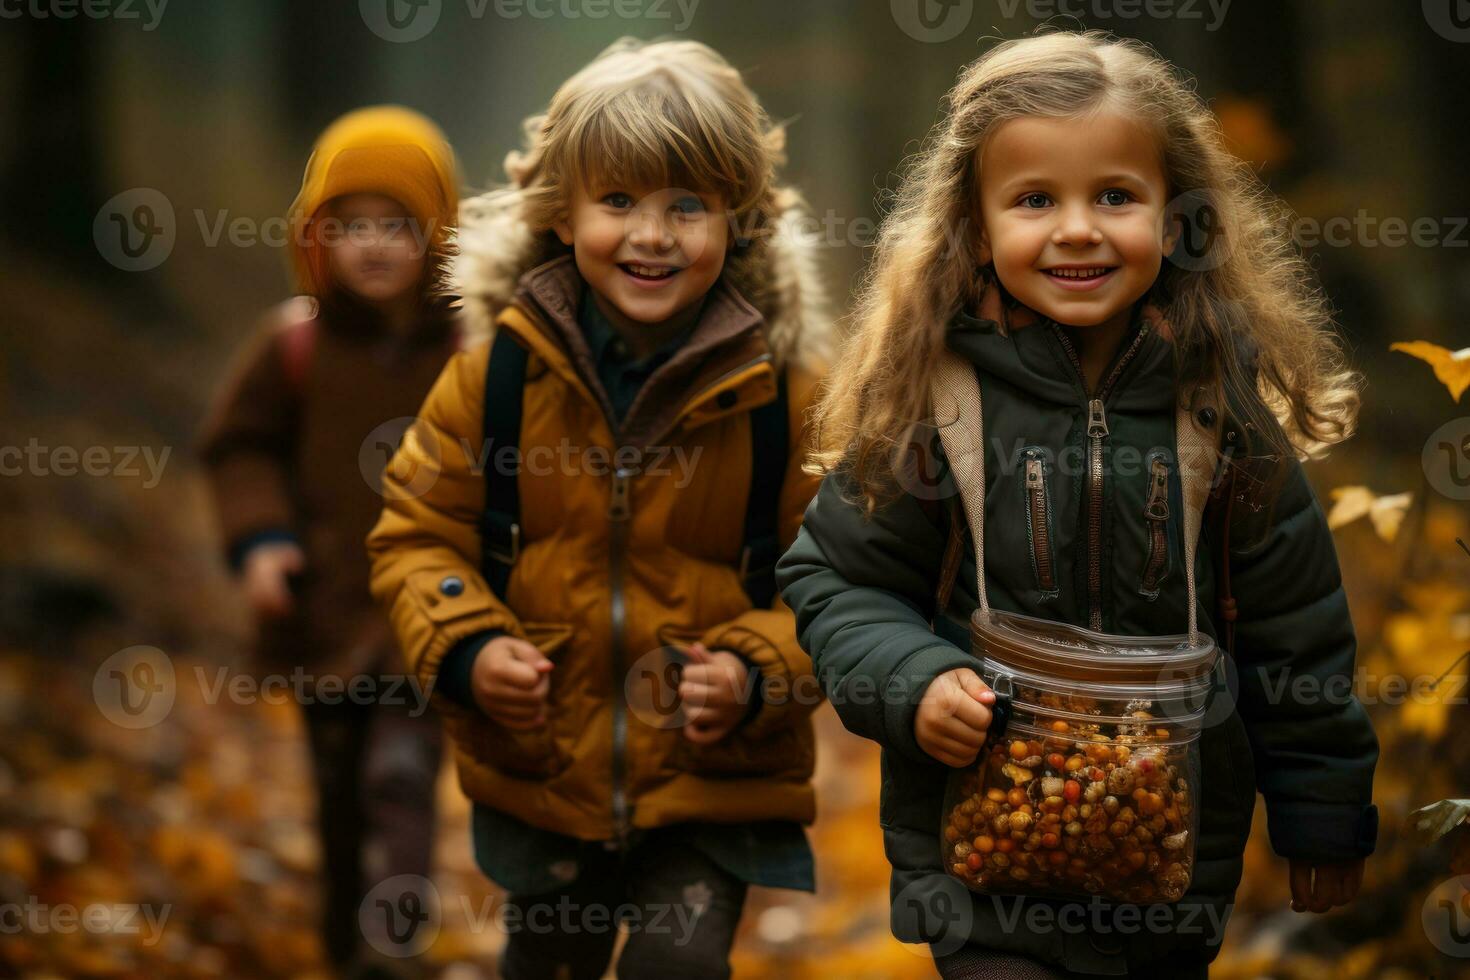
<point>646,271</point>
<point>1079,273</point>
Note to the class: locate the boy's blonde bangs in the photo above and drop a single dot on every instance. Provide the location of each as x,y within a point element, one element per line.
<point>655,136</point>
<point>650,116</point>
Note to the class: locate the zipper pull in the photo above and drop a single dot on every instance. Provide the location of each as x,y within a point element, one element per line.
<point>1097,419</point>
<point>1158,493</point>
<point>618,509</point>
<point>1033,474</point>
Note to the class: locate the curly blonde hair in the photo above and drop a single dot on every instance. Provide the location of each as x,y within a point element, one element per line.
<point>1252,295</point>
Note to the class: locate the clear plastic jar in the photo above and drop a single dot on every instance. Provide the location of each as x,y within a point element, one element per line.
<point>1089,781</point>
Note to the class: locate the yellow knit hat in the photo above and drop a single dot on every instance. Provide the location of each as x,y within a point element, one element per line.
<point>385,149</point>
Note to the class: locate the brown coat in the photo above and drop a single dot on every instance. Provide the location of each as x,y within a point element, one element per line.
<point>290,454</point>
<point>675,557</point>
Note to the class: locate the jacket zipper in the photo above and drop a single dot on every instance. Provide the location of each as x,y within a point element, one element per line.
<point>1156,513</point>
<point>1097,431</point>
<point>1039,524</point>
<point>619,513</point>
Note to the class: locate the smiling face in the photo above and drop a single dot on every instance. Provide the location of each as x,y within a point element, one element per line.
<point>372,249</point>
<point>1072,214</point>
<point>649,255</point>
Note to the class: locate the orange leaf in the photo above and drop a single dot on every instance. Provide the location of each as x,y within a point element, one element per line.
<point>1386,513</point>
<point>1452,368</point>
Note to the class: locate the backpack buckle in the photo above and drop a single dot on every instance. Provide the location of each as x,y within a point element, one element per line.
<point>506,556</point>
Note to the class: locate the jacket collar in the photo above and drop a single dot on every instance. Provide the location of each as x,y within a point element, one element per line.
<point>1027,350</point>
<point>725,351</point>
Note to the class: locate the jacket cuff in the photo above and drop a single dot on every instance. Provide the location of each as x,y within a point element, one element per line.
<point>1322,833</point>
<point>763,659</point>
<point>905,688</point>
<point>457,668</point>
<point>236,551</point>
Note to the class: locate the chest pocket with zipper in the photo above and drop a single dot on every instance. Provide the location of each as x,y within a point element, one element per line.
<point>1037,507</point>
<point>1156,526</point>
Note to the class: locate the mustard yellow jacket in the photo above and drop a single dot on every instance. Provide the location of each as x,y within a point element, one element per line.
<point>602,596</point>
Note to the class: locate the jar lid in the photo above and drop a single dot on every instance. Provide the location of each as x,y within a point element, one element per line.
<point>1049,648</point>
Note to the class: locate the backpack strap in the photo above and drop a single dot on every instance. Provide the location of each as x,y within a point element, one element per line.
<point>954,553</point>
<point>296,346</point>
<point>1197,440</point>
<point>1222,497</point>
<point>500,529</point>
<point>770,451</point>
<point>954,392</point>
<point>296,342</point>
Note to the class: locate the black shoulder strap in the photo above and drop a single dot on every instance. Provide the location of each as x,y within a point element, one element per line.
<point>500,529</point>
<point>770,451</point>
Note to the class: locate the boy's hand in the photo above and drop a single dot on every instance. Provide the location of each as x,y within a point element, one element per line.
<point>264,574</point>
<point>712,689</point>
<point>954,716</point>
<point>1334,884</point>
<point>509,682</point>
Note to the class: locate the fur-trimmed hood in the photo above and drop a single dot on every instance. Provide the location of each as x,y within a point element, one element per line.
<point>497,247</point>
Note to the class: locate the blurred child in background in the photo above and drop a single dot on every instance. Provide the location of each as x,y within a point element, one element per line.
<point>293,449</point>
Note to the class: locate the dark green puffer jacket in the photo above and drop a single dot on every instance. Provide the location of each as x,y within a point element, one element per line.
<point>863,592</point>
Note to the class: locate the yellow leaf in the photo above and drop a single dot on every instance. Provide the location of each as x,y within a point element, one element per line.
<point>1386,513</point>
<point>1350,504</point>
<point>1452,368</point>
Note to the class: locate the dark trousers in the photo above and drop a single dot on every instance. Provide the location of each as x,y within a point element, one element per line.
<point>680,910</point>
<point>375,766</point>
